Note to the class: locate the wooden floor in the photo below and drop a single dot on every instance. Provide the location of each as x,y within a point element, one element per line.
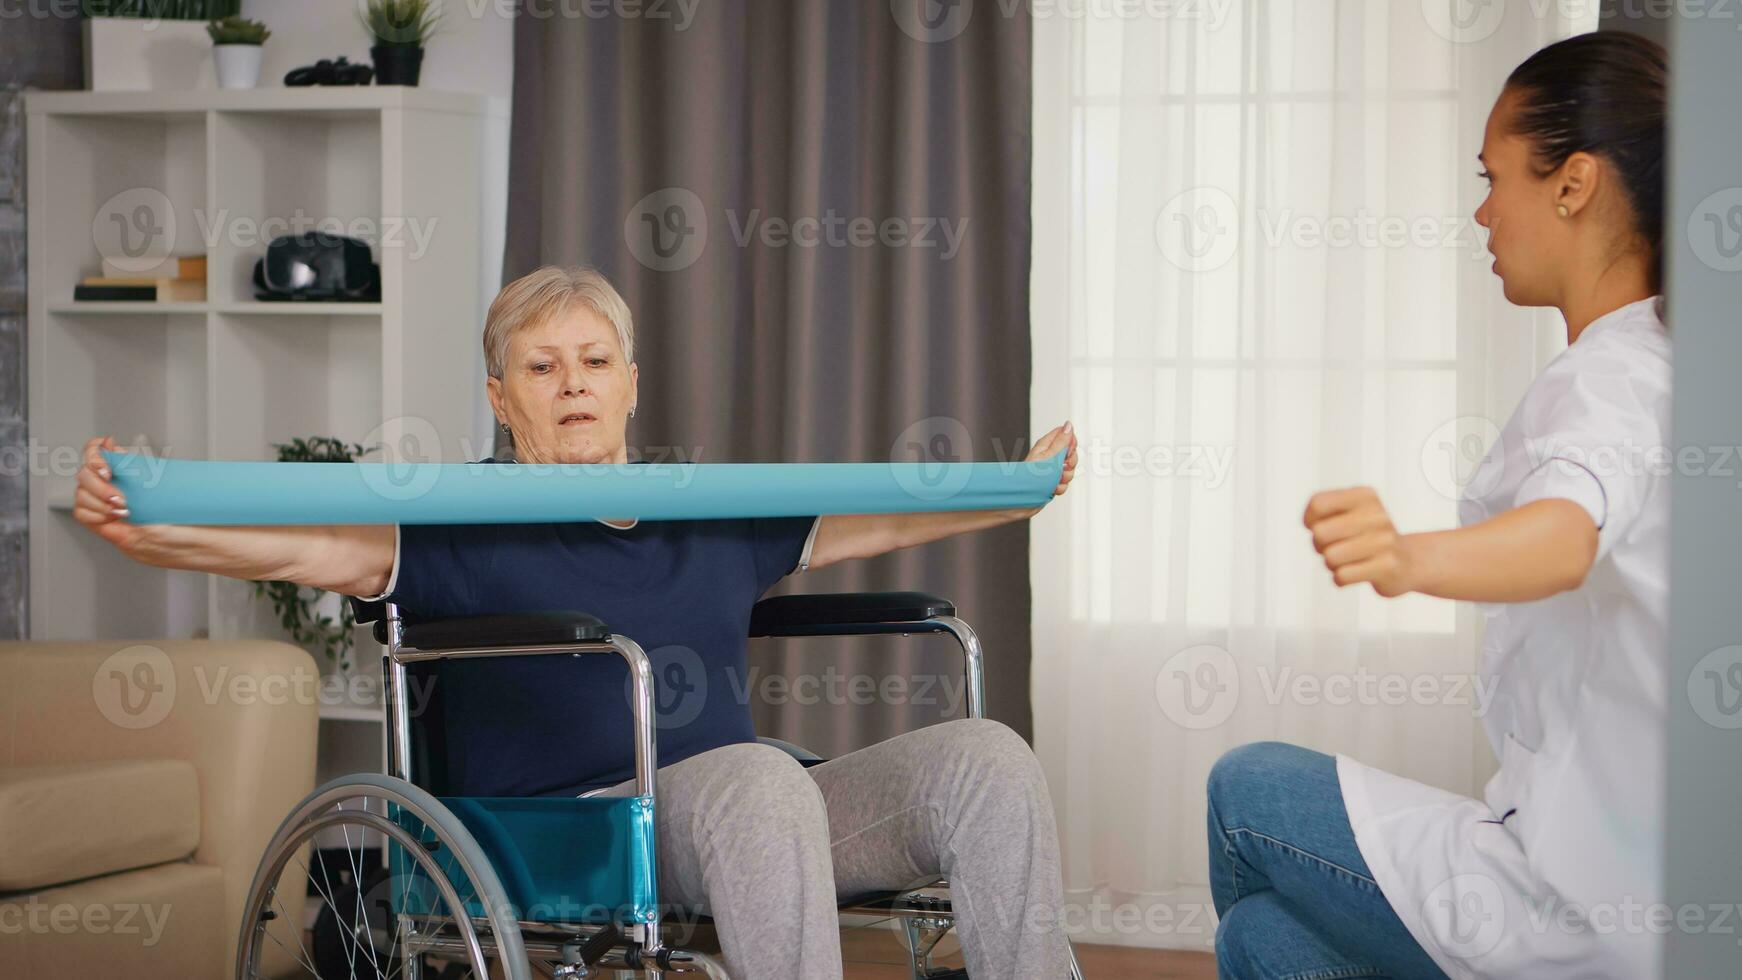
<point>876,954</point>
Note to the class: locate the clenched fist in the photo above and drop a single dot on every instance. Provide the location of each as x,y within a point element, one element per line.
<point>1354,534</point>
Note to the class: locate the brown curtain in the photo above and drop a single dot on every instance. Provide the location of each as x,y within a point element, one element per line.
<point>819,213</point>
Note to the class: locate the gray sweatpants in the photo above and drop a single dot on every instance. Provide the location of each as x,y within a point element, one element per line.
<point>766,847</point>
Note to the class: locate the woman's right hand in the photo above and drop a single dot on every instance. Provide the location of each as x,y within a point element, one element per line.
<point>98,504</point>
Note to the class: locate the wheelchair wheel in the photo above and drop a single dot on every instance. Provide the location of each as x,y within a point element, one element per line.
<point>435,911</point>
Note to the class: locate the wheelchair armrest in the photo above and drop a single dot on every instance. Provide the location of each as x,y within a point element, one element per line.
<point>844,613</point>
<point>512,629</point>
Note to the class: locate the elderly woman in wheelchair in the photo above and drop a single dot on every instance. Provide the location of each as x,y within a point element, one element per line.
<point>527,833</point>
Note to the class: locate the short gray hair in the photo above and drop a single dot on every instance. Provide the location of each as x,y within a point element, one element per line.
<point>542,294</point>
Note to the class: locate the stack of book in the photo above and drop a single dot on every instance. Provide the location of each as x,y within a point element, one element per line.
<point>176,279</point>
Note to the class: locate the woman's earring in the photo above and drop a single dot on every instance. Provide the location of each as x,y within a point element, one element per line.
<point>1561,209</point>
<point>632,413</point>
<point>505,427</point>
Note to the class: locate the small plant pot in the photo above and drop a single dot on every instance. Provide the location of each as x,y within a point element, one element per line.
<point>396,64</point>
<point>238,64</point>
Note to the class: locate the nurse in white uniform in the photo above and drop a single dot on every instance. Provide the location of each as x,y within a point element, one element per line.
<point>1326,868</point>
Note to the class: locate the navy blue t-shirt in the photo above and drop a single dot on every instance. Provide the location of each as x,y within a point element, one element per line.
<point>553,724</point>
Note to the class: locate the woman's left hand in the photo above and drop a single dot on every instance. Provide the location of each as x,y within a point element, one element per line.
<point>1049,445</point>
<point>1046,447</point>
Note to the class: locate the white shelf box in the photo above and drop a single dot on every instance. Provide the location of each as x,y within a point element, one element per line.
<point>281,174</point>
<point>282,378</point>
<point>137,183</point>
<point>229,377</point>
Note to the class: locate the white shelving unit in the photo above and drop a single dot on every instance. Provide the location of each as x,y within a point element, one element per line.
<point>228,377</point>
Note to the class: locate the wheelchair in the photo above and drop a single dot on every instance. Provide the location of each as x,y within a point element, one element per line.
<point>515,888</point>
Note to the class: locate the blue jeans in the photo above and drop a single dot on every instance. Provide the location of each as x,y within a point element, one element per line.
<point>1295,899</point>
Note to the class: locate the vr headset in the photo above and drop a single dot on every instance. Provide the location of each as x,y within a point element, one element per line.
<point>317,266</point>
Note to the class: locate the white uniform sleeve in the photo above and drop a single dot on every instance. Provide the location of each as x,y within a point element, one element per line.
<point>810,542</point>
<point>1592,436</point>
<point>392,577</point>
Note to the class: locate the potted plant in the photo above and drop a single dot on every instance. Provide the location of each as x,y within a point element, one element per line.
<point>318,620</point>
<point>150,44</point>
<point>400,29</point>
<point>236,48</point>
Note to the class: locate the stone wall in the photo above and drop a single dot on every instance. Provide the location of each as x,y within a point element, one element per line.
<point>38,49</point>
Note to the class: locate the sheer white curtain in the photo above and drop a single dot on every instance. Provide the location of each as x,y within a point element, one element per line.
<point>1256,275</point>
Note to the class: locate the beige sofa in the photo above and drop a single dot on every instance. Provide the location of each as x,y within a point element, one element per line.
<point>139,783</point>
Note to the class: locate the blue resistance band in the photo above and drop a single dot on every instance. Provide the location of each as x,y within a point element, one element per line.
<point>180,491</point>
